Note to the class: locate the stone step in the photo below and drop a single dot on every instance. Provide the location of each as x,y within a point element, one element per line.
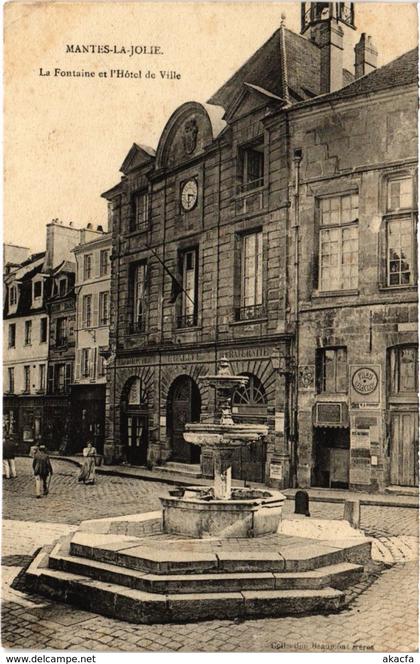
<point>192,470</point>
<point>178,559</point>
<point>338,576</point>
<point>402,490</point>
<point>141,607</point>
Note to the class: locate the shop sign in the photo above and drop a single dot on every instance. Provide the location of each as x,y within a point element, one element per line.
<point>365,386</point>
<point>276,471</point>
<point>365,380</point>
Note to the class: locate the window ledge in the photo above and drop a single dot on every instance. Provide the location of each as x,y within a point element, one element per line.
<point>407,287</point>
<point>244,194</point>
<point>249,321</point>
<point>336,293</point>
<point>332,396</point>
<point>137,231</point>
<point>193,328</point>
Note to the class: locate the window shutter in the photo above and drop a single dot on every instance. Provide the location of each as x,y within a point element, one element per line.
<point>95,309</point>
<point>91,362</point>
<point>50,386</point>
<point>68,376</point>
<point>77,365</point>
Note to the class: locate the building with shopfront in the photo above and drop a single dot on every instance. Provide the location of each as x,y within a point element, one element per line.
<point>93,275</point>
<point>274,226</point>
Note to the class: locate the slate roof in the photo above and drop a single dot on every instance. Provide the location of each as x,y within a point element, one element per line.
<point>264,70</point>
<point>397,73</point>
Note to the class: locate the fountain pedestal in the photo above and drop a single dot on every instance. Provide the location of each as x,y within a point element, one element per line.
<point>221,510</point>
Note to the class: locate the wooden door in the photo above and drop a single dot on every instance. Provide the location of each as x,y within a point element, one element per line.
<point>185,409</point>
<point>404,448</point>
<point>137,440</point>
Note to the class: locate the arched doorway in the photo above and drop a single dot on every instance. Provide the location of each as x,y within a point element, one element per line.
<point>249,404</point>
<point>183,406</point>
<point>134,419</point>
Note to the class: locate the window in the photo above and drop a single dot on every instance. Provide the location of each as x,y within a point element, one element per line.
<point>84,368</point>
<point>104,308</point>
<point>87,266</point>
<point>400,252</point>
<point>140,212</point>
<point>139,297</point>
<point>251,398</point>
<point>28,332</point>
<point>104,262</point>
<point>37,290</point>
<point>62,287</point>
<point>189,267</point>
<point>338,242</point>
<point>12,295</point>
<point>400,194</point>
<point>331,370</point>
<point>61,331</point>
<point>43,327</point>
<point>101,366</point>
<point>41,377</point>
<point>87,310</point>
<point>403,369</point>
<point>12,335</point>
<point>251,291</point>
<point>398,234</point>
<point>251,167</point>
<point>11,376</point>
<point>27,378</point>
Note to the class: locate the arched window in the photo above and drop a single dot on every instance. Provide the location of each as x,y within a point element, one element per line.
<point>250,401</point>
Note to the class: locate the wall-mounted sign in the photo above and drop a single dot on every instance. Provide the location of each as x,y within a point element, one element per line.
<point>365,386</point>
<point>276,471</point>
<point>307,377</point>
<point>279,422</point>
<point>365,380</point>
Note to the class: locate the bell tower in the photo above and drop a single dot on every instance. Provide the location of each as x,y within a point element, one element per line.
<point>330,25</point>
<point>313,13</point>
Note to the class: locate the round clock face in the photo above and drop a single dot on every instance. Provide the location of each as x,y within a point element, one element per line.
<point>189,194</point>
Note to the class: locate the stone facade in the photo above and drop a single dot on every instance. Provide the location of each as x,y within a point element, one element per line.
<point>269,171</point>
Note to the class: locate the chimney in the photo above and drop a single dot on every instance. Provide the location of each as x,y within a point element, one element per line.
<point>366,56</point>
<point>329,36</point>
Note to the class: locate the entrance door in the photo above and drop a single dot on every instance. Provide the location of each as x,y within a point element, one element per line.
<point>332,461</point>
<point>404,448</point>
<point>137,439</point>
<point>184,406</point>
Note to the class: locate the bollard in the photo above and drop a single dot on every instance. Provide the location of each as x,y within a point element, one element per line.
<point>352,513</point>
<point>302,503</point>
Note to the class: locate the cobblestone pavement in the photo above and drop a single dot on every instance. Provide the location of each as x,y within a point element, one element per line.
<point>383,618</point>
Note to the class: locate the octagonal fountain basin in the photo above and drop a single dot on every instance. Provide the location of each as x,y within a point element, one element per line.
<point>195,512</point>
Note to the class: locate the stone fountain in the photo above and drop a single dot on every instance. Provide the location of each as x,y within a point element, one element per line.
<point>221,510</point>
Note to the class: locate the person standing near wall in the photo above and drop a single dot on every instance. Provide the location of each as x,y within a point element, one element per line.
<point>42,470</point>
<point>9,465</point>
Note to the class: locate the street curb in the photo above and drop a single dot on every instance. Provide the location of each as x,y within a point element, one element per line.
<point>375,502</point>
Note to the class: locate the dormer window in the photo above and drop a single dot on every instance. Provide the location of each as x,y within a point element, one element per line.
<point>37,290</point>
<point>13,296</point>
<point>62,287</point>
<point>251,167</point>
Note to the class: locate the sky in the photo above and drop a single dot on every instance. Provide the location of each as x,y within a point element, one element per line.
<point>66,137</point>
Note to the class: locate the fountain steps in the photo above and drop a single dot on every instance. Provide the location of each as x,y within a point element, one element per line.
<point>337,576</point>
<point>311,578</point>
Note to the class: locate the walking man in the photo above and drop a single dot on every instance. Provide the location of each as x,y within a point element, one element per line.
<point>9,465</point>
<point>42,470</point>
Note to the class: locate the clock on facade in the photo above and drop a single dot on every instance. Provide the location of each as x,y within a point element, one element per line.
<point>189,194</point>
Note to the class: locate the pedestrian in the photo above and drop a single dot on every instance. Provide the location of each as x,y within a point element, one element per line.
<point>9,465</point>
<point>33,450</point>
<point>87,473</point>
<point>42,470</point>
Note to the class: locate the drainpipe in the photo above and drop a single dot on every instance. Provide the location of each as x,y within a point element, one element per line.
<point>297,158</point>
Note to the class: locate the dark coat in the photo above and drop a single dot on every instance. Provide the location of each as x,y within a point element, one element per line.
<point>42,465</point>
<point>8,449</point>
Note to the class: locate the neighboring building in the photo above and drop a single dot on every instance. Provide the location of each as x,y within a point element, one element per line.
<point>61,356</point>
<point>275,227</point>
<point>14,256</point>
<point>25,350</point>
<point>26,336</point>
<point>92,338</point>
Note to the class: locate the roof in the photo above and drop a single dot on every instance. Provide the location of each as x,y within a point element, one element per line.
<point>397,73</point>
<point>264,69</point>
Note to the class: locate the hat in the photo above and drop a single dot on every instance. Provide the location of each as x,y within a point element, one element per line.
<point>42,447</point>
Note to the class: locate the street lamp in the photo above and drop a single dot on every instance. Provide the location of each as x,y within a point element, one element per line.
<point>284,363</point>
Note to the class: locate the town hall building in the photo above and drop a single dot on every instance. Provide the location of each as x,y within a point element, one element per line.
<point>275,226</point>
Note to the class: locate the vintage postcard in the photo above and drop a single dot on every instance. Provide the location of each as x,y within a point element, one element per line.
<point>210,328</point>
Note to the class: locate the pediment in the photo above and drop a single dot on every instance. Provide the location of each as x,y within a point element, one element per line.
<point>138,156</point>
<point>250,99</point>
